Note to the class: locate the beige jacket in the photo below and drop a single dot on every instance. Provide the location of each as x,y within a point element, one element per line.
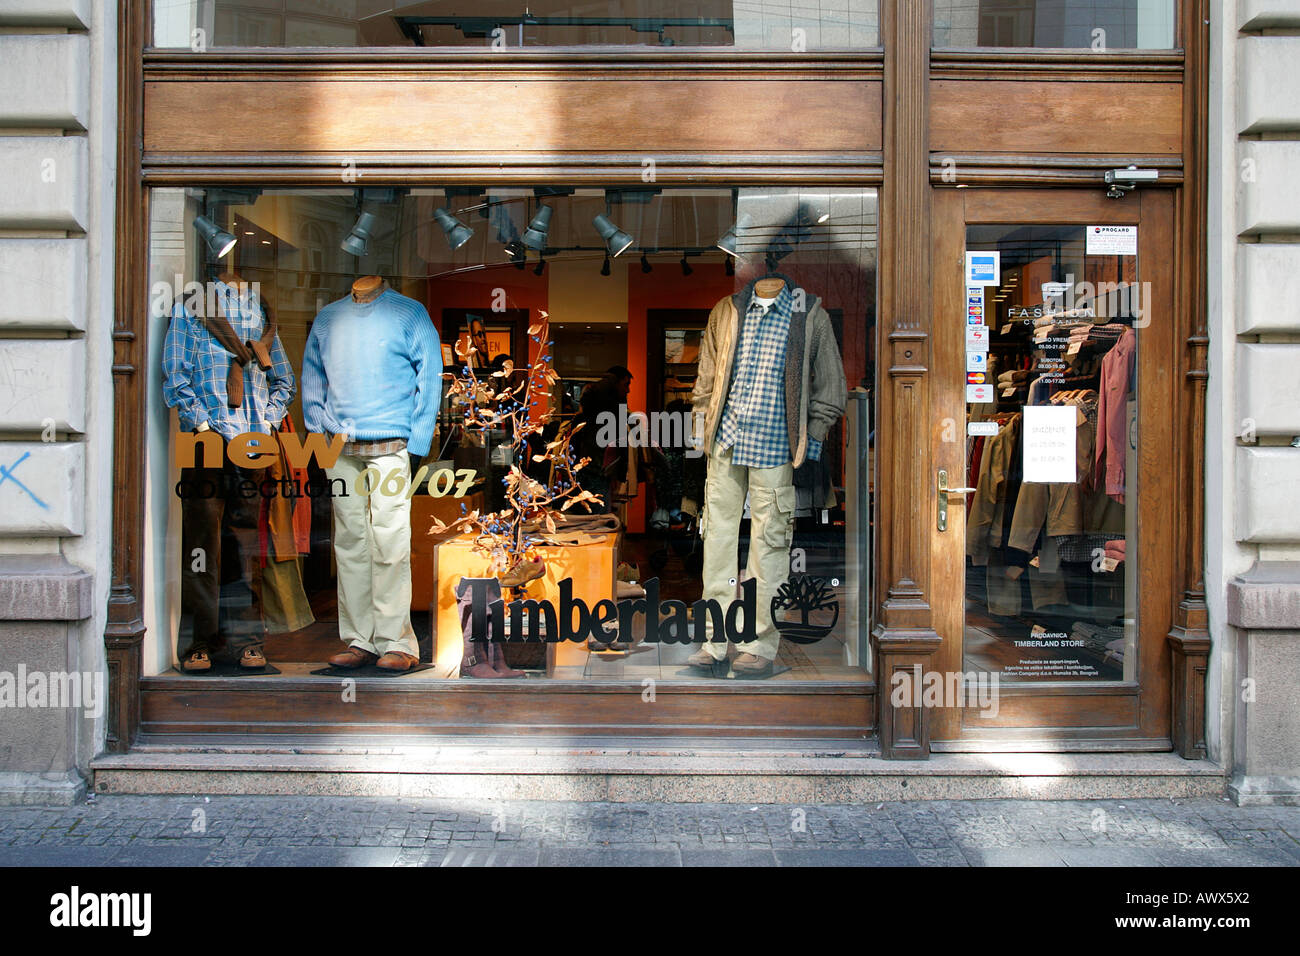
<point>814,370</point>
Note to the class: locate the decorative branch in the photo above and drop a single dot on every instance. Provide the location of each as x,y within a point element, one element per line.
<point>511,536</point>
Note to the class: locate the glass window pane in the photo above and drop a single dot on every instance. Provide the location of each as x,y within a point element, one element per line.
<point>532,348</point>
<point>1057,24</point>
<point>1051,533</point>
<point>740,24</point>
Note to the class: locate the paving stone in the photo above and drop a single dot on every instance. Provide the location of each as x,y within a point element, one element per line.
<point>326,856</point>
<point>737,857</point>
<point>485,856</point>
<point>622,856</point>
<point>1013,856</point>
<point>826,857</point>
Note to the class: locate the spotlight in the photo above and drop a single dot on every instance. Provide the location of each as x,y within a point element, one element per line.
<point>616,241</point>
<point>728,243</point>
<point>515,251</point>
<point>645,263</point>
<point>219,242</point>
<point>457,232</point>
<point>686,266</point>
<point>604,270</point>
<point>535,234</point>
<point>358,239</point>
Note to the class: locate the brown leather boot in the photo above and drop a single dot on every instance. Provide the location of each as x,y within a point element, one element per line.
<point>497,655</point>
<point>476,658</point>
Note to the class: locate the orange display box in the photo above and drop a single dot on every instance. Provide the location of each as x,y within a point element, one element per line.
<point>424,509</point>
<point>591,567</point>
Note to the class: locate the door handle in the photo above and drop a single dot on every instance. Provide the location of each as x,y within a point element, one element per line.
<point>944,492</point>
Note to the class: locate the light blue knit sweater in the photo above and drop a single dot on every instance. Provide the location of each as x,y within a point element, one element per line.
<point>373,370</point>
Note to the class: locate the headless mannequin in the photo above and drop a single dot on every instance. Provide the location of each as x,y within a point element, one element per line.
<point>368,288</point>
<point>767,290</point>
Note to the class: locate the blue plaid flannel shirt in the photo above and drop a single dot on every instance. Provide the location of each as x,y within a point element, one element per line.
<point>195,365</point>
<point>754,421</point>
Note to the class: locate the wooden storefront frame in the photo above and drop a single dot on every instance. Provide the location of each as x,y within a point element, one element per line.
<point>905,148</point>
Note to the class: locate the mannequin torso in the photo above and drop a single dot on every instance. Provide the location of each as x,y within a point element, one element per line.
<point>368,288</point>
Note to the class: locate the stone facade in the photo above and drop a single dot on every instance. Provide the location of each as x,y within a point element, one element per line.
<point>1253,475</point>
<point>58,117</point>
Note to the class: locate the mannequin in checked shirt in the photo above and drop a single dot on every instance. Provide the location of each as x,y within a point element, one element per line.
<point>751,458</point>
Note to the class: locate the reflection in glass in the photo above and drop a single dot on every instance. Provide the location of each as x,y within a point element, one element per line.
<point>1056,24</point>
<point>508,24</point>
<point>625,348</point>
<point>1051,531</point>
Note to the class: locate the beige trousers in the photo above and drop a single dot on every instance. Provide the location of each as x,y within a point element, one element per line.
<point>372,548</point>
<point>771,532</point>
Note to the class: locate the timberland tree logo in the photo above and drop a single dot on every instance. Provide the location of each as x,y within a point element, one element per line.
<point>805,595</point>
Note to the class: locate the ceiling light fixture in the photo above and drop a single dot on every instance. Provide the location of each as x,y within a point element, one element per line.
<point>457,232</point>
<point>535,236</point>
<point>219,242</point>
<point>616,240</point>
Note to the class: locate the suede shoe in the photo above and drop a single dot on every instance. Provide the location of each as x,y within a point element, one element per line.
<point>751,667</point>
<point>353,657</point>
<point>704,661</point>
<point>397,661</point>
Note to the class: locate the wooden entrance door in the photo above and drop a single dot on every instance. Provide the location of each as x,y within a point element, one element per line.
<point>1054,578</point>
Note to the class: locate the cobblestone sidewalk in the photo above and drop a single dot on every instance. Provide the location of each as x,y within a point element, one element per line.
<point>312,831</point>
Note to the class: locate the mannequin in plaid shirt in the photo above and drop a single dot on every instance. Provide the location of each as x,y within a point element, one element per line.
<point>770,386</point>
<point>231,393</point>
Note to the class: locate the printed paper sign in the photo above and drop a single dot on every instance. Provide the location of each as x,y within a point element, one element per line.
<point>983,268</point>
<point>977,338</point>
<point>977,361</point>
<point>975,306</point>
<point>1049,435</point>
<point>1112,241</point>
<point>986,429</point>
<point>979,394</point>
<point>976,378</point>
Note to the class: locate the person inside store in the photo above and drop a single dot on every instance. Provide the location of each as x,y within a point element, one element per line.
<point>228,374</point>
<point>607,465</point>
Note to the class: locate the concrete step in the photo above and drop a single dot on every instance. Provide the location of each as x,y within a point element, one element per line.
<point>633,771</point>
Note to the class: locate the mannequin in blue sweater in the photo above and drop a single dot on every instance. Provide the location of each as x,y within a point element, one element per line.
<point>372,371</point>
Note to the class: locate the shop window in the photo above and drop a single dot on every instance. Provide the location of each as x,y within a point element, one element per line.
<point>1052,523</point>
<point>740,24</point>
<point>1096,25</point>
<point>532,433</point>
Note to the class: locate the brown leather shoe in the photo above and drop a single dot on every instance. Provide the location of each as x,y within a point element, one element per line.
<point>353,657</point>
<point>196,662</point>
<point>397,661</point>
<point>252,658</point>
